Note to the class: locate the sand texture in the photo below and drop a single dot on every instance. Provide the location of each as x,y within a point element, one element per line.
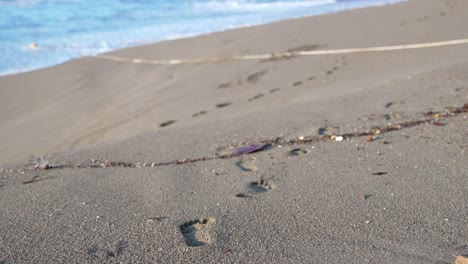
<point>361,157</point>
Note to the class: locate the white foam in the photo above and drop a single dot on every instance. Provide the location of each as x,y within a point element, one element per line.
<point>252,6</point>
<point>68,29</point>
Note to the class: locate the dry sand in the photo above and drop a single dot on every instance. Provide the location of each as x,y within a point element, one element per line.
<point>401,198</point>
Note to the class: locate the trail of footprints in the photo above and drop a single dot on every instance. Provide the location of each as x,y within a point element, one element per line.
<point>196,233</point>
<point>257,76</point>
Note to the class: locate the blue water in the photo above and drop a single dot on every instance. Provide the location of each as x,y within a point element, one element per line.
<point>67,29</point>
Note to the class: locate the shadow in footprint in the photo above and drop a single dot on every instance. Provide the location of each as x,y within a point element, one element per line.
<point>274,90</point>
<point>225,85</point>
<point>262,185</point>
<point>92,250</point>
<point>258,96</point>
<point>167,123</point>
<point>196,232</point>
<point>247,164</point>
<point>221,105</point>
<point>255,77</point>
<point>243,196</point>
<point>121,246</point>
<point>298,151</point>
<point>119,249</point>
<point>199,114</point>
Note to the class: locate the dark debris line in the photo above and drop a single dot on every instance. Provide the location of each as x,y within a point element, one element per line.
<point>432,117</point>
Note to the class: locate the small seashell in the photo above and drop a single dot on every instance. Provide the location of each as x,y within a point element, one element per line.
<point>339,138</point>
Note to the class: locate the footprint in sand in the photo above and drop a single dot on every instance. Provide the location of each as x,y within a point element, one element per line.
<point>258,96</point>
<point>298,151</point>
<point>255,77</point>
<point>328,130</point>
<point>262,185</point>
<point>247,164</point>
<point>257,187</point>
<point>167,123</point>
<point>297,83</point>
<point>119,250</point>
<point>225,85</point>
<point>243,196</point>
<point>196,232</point>
<point>221,105</point>
<point>274,90</point>
<point>199,114</point>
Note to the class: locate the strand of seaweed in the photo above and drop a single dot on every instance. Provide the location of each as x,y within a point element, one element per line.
<point>432,117</point>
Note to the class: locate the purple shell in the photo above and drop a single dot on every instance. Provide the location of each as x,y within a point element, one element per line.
<point>250,149</point>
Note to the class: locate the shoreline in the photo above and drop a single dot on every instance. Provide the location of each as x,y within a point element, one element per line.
<point>214,44</point>
<point>189,36</point>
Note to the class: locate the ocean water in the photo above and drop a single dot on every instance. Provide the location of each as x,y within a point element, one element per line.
<point>66,29</point>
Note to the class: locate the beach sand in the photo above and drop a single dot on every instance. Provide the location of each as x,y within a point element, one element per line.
<point>139,167</point>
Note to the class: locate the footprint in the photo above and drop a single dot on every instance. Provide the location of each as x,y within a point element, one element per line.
<point>196,232</point>
<point>247,164</point>
<point>262,185</point>
<point>297,83</point>
<point>167,123</point>
<point>311,78</point>
<point>394,103</point>
<point>221,105</point>
<point>119,250</point>
<point>298,152</point>
<point>199,114</point>
<point>256,97</point>
<point>243,196</point>
<point>225,85</point>
<point>274,90</point>
<point>224,150</point>
<point>255,77</point>
<point>328,130</point>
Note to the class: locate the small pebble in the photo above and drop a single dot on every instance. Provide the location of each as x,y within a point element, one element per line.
<point>339,138</point>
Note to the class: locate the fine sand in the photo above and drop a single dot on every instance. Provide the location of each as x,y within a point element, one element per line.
<point>138,164</point>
